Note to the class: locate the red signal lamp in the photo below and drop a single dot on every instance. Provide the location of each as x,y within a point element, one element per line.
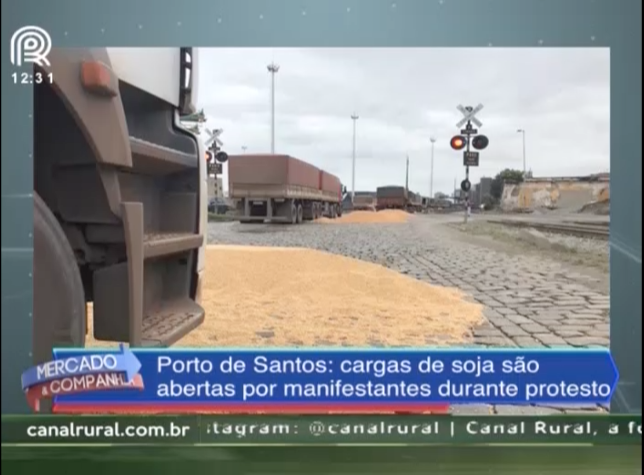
<point>458,142</point>
<point>209,156</point>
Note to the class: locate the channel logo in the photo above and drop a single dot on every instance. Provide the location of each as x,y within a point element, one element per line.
<point>82,373</point>
<point>30,44</point>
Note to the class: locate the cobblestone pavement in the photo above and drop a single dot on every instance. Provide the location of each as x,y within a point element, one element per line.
<point>529,301</point>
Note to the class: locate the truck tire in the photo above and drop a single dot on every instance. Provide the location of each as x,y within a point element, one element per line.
<point>59,318</point>
<point>293,213</point>
<point>300,214</point>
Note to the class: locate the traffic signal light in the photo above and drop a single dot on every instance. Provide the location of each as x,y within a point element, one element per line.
<point>209,156</point>
<point>458,142</point>
<point>480,142</point>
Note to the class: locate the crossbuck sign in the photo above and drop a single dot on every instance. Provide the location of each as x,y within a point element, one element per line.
<point>214,137</point>
<point>469,115</point>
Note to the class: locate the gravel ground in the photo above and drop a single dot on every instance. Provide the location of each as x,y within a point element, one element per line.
<point>573,250</point>
<point>532,297</point>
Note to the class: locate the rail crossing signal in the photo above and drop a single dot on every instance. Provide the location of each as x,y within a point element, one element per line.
<point>469,137</point>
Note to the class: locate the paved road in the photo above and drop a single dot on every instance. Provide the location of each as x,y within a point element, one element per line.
<point>529,301</point>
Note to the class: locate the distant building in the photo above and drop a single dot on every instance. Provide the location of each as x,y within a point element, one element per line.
<point>475,196</point>
<point>486,186</point>
<point>480,191</point>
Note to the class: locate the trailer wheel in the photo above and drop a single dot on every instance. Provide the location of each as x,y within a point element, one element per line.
<point>300,214</point>
<point>59,312</point>
<point>293,212</point>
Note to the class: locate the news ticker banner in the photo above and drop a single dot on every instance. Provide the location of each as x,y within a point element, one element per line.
<point>181,381</point>
<point>320,429</point>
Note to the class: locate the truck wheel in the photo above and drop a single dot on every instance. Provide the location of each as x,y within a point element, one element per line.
<point>339,211</point>
<point>59,297</point>
<point>300,214</point>
<point>293,215</point>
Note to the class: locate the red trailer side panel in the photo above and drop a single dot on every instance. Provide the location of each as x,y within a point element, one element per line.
<point>330,183</point>
<point>258,169</point>
<point>270,169</point>
<point>302,174</point>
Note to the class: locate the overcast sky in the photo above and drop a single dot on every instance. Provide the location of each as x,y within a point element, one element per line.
<point>404,97</point>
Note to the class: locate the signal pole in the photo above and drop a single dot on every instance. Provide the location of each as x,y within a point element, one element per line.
<point>467,173</point>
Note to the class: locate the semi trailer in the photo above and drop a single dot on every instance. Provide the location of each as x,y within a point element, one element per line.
<point>391,197</point>
<point>415,202</point>
<point>282,189</point>
<point>364,200</point>
<point>397,197</point>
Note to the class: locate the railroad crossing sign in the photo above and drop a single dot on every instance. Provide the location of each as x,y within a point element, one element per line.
<point>213,141</point>
<point>469,115</point>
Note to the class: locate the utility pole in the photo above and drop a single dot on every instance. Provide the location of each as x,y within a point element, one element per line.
<point>354,118</point>
<point>273,69</point>
<point>407,175</point>
<point>522,132</point>
<point>431,173</point>
<point>244,148</point>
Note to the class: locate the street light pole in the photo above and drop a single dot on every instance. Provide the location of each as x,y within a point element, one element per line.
<point>431,172</point>
<point>354,118</point>
<point>522,132</point>
<point>273,69</point>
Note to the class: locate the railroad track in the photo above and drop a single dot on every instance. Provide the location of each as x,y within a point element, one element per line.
<point>587,229</point>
